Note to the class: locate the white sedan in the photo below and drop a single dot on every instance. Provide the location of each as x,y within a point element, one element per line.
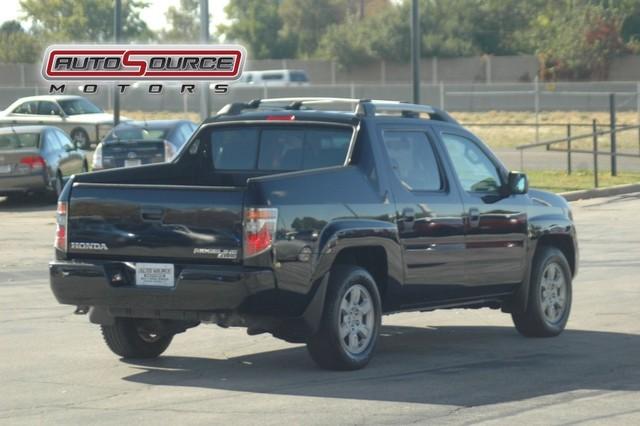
<point>85,122</point>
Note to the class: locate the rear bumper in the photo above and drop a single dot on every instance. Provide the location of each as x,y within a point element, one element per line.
<point>198,288</point>
<point>25,183</point>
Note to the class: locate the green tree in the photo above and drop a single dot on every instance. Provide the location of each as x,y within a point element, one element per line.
<point>16,45</point>
<point>183,22</point>
<point>306,21</point>
<point>257,24</point>
<point>577,40</point>
<point>85,20</point>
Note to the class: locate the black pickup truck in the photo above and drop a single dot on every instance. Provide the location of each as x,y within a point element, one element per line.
<point>309,219</point>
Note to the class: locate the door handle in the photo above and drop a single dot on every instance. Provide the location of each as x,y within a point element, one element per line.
<point>408,214</point>
<point>152,214</point>
<point>474,217</point>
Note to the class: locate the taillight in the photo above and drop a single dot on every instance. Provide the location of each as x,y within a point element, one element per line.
<point>169,151</point>
<point>259,230</point>
<point>97,158</point>
<point>60,241</point>
<point>281,117</point>
<point>34,162</point>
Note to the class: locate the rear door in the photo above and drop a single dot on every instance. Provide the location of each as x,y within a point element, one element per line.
<point>495,226</point>
<point>429,217</point>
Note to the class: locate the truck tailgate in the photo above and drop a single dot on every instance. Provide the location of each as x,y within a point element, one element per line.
<point>145,222</point>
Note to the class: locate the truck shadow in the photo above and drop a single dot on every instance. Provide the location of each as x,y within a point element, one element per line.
<point>462,366</point>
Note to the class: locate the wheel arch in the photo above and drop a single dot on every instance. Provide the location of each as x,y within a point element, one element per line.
<point>556,232</point>
<point>372,245</point>
<point>564,243</point>
<point>371,258</point>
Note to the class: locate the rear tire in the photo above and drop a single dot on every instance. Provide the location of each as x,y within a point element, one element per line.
<point>550,294</point>
<point>350,323</point>
<point>132,338</point>
<point>56,190</point>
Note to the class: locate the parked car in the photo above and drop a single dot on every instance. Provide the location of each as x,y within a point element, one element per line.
<point>37,159</point>
<point>273,78</point>
<point>142,142</point>
<point>79,117</point>
<point>390,212</point>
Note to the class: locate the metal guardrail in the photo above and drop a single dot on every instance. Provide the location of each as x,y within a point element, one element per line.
<point>613,131</point>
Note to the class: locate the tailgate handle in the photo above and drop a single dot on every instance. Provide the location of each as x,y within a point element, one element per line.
<point>152,214</point>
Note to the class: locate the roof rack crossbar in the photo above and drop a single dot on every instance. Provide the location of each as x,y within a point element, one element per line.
<point>363,107</point>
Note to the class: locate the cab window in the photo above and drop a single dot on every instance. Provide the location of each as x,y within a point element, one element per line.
<point>475,170</point>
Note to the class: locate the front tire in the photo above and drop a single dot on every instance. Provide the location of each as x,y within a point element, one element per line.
<point>550,294</point>
<point>350,323</point>
<point>133,338</point>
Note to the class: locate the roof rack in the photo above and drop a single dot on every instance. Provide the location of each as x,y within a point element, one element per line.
<point>363,107</point>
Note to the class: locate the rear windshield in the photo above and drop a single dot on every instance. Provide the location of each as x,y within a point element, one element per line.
<point>284,148</point>
<point>11,141</point>
<point>135,133</point>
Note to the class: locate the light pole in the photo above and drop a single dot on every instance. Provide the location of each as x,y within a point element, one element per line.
<point>117,33</point>
<point>205,102</point>
<point>415,50</point>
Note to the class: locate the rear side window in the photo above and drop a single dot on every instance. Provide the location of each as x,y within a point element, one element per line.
<point>279,148</point>
<point>413,160</point>
<point>30,107</point>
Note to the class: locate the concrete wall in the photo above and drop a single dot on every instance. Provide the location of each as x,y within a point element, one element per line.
<point>593,96</point>
<point>477,69</point>
<point>626,68</point>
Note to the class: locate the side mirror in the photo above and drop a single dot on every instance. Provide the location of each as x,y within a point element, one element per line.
<point>518,183</point>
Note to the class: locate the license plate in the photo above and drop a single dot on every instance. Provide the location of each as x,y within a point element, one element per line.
<point>131,163</point>
<point>5,169</point>
<point>155,274</point>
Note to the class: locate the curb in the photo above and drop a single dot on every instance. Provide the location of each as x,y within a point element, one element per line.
<point>585,194</point>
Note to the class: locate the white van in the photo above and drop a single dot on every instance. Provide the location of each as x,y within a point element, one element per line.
<point>274,78</point>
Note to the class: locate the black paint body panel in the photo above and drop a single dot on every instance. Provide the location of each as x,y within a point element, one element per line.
<point>436,259</point>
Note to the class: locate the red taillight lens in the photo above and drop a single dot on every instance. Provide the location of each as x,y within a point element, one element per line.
<point>281,117</point>
<point>259,230</point>
<point>34,162</point>
<point>60,241</point>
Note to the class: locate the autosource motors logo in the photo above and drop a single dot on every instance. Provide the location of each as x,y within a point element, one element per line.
<point>143,62</point>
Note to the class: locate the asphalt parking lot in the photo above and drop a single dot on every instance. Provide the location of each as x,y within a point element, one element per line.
<point>444,367</point>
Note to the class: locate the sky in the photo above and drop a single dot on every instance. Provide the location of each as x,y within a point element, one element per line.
<point>153,15</point>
